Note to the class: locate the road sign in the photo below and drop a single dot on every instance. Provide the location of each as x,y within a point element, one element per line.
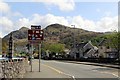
<point>35,35</point>
<point>35,27</point>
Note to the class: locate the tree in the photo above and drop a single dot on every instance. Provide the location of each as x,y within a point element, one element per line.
<point>54,47</point>
<point>113,40</point>
<point>4,46</point>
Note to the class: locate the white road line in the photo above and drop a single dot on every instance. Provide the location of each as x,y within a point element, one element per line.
<point>69,76</point>
<point>60,72</point>
<point>116,75</point>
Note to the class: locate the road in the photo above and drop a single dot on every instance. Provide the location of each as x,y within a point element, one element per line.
<point>56,69</point>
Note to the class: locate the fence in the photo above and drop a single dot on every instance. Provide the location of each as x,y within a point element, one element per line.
<point>15,68</point>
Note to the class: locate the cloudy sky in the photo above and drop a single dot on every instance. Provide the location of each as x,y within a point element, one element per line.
<point>97,16</point>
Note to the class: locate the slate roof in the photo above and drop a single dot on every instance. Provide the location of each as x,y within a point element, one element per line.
<point>81,45</point>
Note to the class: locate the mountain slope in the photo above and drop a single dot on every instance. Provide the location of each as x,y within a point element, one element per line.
<point>56,33</point>
<point>0,44</point>
<point>68,35</point>
<point>18,34</point>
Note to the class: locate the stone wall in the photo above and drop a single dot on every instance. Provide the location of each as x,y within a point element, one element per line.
<point>15,68</point>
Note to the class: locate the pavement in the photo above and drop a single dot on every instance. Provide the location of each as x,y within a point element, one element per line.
<point>45,71</point>
<point>63,70</point>
<point>95,64</point>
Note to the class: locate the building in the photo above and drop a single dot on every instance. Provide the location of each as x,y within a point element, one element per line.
<point>84,50</point>
<point>105,51</point>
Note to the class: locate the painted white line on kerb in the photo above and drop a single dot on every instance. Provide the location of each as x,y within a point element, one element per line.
<point>60,72</point>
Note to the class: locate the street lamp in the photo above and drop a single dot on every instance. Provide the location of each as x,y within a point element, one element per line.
<point>74,36</point>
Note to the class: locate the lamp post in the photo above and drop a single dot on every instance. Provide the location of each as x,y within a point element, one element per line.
<point>74,44</point>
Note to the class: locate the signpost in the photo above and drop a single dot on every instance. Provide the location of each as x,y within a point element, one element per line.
<point>35,36</point>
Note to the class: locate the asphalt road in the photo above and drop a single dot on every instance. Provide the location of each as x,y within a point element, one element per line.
<point>74,71</point>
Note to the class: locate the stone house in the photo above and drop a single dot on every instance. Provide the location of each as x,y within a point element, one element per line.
<point>84,50</point>
<point>106,51</point>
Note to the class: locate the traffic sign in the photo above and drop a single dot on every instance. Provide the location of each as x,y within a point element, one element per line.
<point>35,27</point>
<point>35,35</point>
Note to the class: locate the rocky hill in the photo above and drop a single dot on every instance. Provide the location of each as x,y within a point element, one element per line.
<point>56,33</point>
<point>67,35</point>
<point>18,34</point>
<point>0,44</point>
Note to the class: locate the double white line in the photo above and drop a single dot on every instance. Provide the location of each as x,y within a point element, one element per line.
<point>60,72</point>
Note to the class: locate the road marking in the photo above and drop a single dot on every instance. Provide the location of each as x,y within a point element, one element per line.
<point>111,73</point>
<point>116,75</point>
<point>53,68</point>
<point>60,72</point>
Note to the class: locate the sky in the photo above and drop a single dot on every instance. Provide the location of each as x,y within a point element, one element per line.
<point>95,16</point>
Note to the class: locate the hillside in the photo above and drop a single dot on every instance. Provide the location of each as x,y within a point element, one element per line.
<point>55,33</point>
<point>18,34</point>
<point>66,35</point>
<point>0,44</point>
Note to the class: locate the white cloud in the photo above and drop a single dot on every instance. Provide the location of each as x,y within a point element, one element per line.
<point>103,25</point>
<point>107,24</point>
<point>4,21</point>
<point>43,20</point>
<point>6,25</point>
<point>4,7</point>
<point>6,10</point>
<point>22,22</point>
<point>16,14</point>
<point>83,23</point>
<point>64,5</point>
<point>51,19</point>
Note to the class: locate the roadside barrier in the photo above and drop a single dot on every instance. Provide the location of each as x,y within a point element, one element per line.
<point>14,68</point>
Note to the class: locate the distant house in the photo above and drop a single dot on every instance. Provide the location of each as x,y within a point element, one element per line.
<point>20,49</point>
<point>106,51</point>
<point>84,50</point>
